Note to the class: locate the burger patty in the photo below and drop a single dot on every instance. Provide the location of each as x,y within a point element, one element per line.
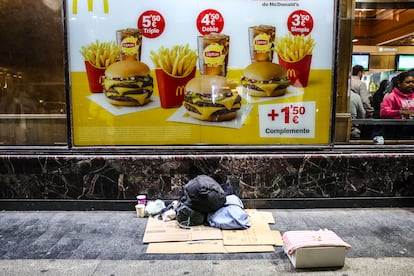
<point>137,84</point>
<point>146,80</point>
<point>122,99</point>
<point>218,112</point>
<point>189,99</point>
<point>132,91</point>
<point>255,87</point>
<point>274,80</point>
<point>223,110</point>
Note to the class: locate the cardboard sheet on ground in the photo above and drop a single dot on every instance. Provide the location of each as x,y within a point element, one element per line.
<point>266,217</point>
<point>253,236</point>
<point>168,238</point>
<point>258,233</point>
<point>169,231</point>
<point>205,246</point>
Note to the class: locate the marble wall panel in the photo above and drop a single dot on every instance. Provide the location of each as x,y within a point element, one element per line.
<point>247,175</point>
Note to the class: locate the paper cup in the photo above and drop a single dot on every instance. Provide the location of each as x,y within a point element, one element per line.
<point>298,71</point>
<point>171,89</point>
<point>213,54</point>
<point>95,77</point>
<point>142,199</point>
<point>261,39</point>
<point>130,42</point>
<point>140,208</point>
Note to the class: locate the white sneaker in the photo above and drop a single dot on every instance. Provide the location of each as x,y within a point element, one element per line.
<point>378,140</point>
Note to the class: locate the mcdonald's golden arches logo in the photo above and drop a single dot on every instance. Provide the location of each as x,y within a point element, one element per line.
<point>90,6</point>
<point>291,73</point>
<point>180,90</point>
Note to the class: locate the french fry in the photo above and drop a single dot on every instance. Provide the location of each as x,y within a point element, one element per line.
<point>178,60</point>
<point>101,54</point>
<point>294,48</point>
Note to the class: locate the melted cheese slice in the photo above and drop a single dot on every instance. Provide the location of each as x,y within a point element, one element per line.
<point>268,88</point>
<point>108,83</point>
<point>121,91</point>
<point>228,102</point>
<point>124,90</point>
<point>207,111</point>
<point>138,97</point>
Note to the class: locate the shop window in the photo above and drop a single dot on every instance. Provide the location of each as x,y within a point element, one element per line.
<point>33,103</point>
<point>32,74</point>
<point>382,30</point>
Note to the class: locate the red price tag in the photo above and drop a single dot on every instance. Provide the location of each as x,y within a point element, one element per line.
<point>210,21</point>
<point>300,22</point>
<point>151,23</point>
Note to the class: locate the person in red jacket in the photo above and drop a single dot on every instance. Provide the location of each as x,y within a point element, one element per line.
<point>399,104</point>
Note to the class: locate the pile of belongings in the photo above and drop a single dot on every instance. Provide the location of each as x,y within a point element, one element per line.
<point>204,202</point>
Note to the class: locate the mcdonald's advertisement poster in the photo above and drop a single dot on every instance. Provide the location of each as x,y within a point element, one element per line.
<point>192,72</point>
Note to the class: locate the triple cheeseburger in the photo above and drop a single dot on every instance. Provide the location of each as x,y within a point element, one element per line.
<point>128,83</point>
<point>211,98</point>
<point>265,79</point>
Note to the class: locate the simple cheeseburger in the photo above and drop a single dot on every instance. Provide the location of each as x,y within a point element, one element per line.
<point>128,83</point>
<point>210,98</point>
<point>265,79</point>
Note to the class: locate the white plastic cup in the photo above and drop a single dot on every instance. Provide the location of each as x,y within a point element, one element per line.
<point>140,208</point>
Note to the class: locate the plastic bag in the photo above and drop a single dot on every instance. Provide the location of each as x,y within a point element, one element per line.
<point>154,207</point>
<point>231,216</point>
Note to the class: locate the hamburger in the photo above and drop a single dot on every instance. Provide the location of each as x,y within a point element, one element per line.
<point>265,79</point>
<point>210,98</point>
<point>128,83</point>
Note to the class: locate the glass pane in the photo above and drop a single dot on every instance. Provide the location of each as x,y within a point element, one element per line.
<point>32,73</point>
<point>383,36</point>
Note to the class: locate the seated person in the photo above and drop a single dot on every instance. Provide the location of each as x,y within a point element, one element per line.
<point>357,111</point>
<point>378,130</point>
<point>359,87</point>
<point>378,97</point>
<point>399,104</point>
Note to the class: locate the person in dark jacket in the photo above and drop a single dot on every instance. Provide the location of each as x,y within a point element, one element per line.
<point>378,130</point>
<point>378,97</point>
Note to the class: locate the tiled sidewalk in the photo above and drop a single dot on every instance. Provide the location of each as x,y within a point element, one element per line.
<point>86,242</point>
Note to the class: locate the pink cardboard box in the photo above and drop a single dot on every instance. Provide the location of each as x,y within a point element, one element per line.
<point>312,249</point>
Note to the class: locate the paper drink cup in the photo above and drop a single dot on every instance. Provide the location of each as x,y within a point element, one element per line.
<point>140,208</point>
<point>171,88</point>
<point>142,199</point>
<point>95,76</point>
<point>213,54</point>
<point>297,71</point>
<point>130,42</point>
<point>261,40</point>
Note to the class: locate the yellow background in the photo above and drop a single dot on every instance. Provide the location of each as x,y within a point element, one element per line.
<point>94,126</point>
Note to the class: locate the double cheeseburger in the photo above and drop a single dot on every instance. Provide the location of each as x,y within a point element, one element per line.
<point>128,83</point>
<point>265,79</point>
<point>210,98</point>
